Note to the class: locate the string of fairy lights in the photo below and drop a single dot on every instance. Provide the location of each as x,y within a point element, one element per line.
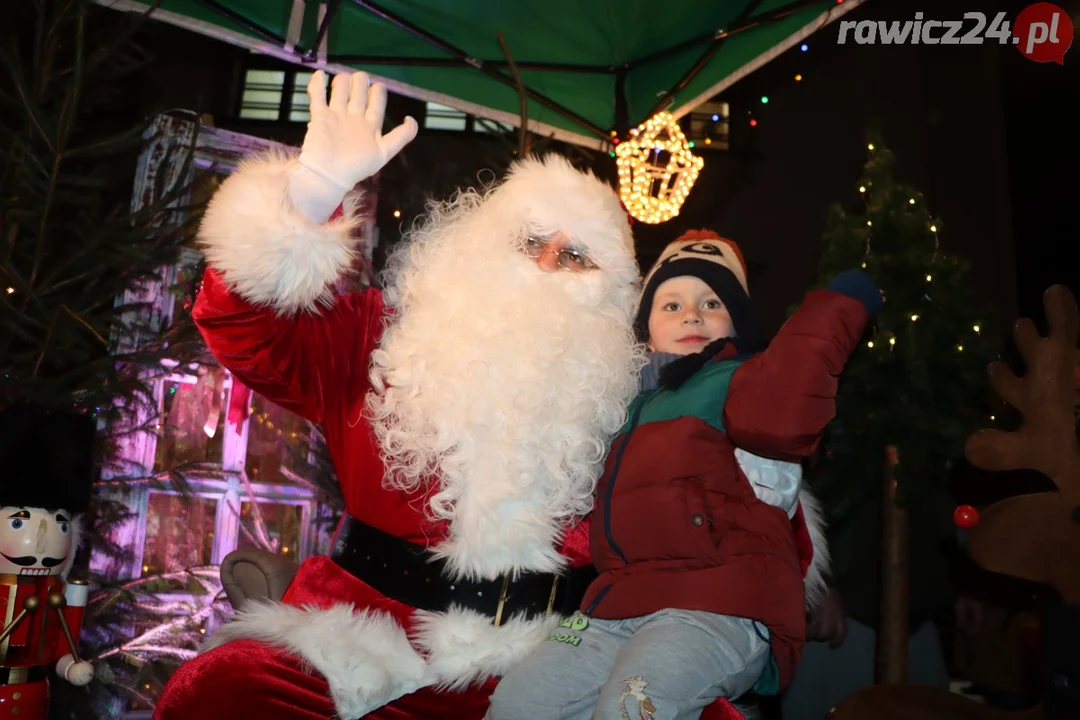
<point>751,116</point>
<point>929,279</point>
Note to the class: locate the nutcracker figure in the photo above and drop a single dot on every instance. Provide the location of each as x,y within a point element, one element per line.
<point>46,473</point>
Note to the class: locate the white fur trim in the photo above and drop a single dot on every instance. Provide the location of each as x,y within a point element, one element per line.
<point>367,659</point>
<point>464,647</point>
<point>365,656</point>
<point>265,249</point>
<point>819,564</point>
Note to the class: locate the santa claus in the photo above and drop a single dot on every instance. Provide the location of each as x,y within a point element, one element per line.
<point>467,409</point>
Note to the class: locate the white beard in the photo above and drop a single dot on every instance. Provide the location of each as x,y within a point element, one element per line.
<point>498,386</point>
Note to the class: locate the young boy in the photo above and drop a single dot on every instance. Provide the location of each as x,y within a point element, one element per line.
<point>700,593</point>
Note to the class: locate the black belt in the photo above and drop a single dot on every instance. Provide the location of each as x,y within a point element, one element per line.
<point>410,574</point>
<point>20,675</point>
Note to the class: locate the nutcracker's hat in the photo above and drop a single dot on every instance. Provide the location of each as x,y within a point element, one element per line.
<point>46,458</point>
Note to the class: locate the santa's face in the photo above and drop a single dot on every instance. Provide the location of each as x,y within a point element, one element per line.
<point>557,252</point>
<point>34,541</point>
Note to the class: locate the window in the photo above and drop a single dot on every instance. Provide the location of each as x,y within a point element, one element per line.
<point>444,117</point>
<point>275,447</point>
<point>276,95</point>
<point>300,107</point>
<point>278,525</point>
<point>441,117</point>
<point>179,532</point>
<point>192,431</point>
<point>247,464</point>
<point>263,92</point>
<point>710,125</point>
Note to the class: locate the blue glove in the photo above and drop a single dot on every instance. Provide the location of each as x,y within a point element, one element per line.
<point>856,284</point>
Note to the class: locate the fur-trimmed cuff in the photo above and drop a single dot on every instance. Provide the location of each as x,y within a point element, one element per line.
<point>365,656</point>
<point>265,249</point>
<point>464,648</point>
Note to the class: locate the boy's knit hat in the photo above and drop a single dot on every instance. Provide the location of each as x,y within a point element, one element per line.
<point>716,261</point>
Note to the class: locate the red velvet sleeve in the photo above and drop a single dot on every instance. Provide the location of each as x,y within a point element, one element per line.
<point>780,401</point>
<point>300,362</point>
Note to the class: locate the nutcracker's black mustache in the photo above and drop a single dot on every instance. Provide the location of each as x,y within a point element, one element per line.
<point>28,560</point>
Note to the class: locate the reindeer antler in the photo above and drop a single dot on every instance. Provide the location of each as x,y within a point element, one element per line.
<point>1036,537</point>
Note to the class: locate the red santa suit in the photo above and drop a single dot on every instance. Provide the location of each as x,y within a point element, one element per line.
<point>410,616</point>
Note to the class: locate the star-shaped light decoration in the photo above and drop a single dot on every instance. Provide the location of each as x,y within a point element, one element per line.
<point>656,169</point>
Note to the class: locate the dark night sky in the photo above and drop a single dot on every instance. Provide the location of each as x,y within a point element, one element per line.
<point>1042,106</point>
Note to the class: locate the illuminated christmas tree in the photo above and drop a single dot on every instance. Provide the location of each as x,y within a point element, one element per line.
<point>918,381</point>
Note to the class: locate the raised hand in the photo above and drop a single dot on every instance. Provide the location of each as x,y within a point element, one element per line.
<point>344,142</point>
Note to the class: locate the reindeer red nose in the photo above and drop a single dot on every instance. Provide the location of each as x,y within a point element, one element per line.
<point>965,517</point>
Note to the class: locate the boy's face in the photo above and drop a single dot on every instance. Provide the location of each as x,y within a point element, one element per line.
<point>686,316</point>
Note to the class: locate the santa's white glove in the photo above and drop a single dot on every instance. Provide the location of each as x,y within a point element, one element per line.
<point>344,142</point>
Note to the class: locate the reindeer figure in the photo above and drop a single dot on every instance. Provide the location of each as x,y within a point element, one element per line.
<point>1033,537</point>
<point>1036,537</point>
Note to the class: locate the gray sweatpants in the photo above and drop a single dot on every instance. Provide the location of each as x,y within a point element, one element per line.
<point>666,666</point>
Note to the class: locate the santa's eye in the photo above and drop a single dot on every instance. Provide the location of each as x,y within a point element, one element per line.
<point>16,523</point>
<point>63,527</point>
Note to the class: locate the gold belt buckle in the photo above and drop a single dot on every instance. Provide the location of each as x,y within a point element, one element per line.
<point>502,599</point>
<point>505,591</point>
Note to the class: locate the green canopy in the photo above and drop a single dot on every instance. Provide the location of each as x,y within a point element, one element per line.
<point>589,66</point>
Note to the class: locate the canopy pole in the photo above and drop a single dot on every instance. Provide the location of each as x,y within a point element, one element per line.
<point>704,59</point>
<point>523,131</point>
<point>312,55</point>
<point>734,29</point>
<point>446,47</point>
